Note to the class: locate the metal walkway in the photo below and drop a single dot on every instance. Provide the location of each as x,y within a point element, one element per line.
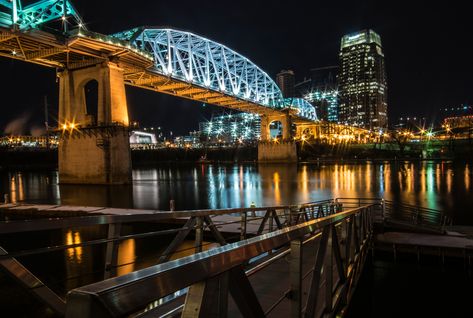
<point>307,232</point>
<point>297,260</point>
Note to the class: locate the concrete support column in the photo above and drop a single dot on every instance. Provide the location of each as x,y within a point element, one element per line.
<point>112,106</point>
<point>286,128</point>
<point>94,151</point>
<point>265,121</point>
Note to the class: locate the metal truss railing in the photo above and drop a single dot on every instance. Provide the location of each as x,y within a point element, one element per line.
<point>37,14</point>
<point>251,221</point>
<point>199,66</point>
<point>335,247</point>
<point>194,59</point>
<point>402,213</point>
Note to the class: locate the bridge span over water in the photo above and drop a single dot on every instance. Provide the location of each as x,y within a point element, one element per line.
<point>161,59</point>
<point>95,146</point>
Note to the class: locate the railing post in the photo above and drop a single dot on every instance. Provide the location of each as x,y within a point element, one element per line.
<point>199,234</point>
<point>243,225</point>
<point>295,273</point>
<point>207,298</point>
<point>6,199</point>
<point>328,271</point>
<point>383,209</point>
<point>111,254</point>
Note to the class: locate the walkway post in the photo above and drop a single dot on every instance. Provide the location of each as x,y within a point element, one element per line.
<point>295,272</point>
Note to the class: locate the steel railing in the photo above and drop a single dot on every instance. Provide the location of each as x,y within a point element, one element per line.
<point>261,219</point>
<point>341,242</point>
<point>402,213</point>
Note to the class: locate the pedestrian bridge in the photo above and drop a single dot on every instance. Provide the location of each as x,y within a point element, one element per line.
<point>52,33</point>
<point>325,244</point>
<point>279,261</point>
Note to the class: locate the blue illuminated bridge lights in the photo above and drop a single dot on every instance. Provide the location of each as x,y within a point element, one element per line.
<point>203,62</point>
<point>178,55</point>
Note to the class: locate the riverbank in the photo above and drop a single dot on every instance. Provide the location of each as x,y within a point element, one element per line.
<point>310,153</point>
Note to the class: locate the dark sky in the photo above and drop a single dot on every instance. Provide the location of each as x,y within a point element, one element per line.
<point>428,49</point>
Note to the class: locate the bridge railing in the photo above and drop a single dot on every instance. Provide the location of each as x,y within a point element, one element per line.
<point>326,256</point>
<point>240,223</point>
<point>409,214</point>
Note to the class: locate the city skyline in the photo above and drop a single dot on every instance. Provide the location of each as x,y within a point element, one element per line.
<point>421,85</point>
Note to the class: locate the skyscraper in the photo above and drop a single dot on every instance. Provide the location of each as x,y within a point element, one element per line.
<point>321,90</point>
<point>285,80</point>
<point>362,81</point>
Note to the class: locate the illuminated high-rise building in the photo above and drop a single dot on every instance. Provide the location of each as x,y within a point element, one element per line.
<point>325,102</point>
<point>362,81</point>
<point>321,90</point>
<point>286,82</point>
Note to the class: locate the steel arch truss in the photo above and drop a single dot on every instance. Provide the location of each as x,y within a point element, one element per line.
<point>199,61</point>
<point>13,14</point>
<point>303,108</point>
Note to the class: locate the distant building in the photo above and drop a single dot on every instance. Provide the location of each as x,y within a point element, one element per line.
<point>325,103</point>
<point>458,111</point>
<point>242,127</point>
<point>286,82</point>
<point>29,141</point>
<point>189,141</point>
<point>321,90</point>
<point>459,122</point>
<point>412,123</point>
<point>142,138</point>
<point>362,81</point>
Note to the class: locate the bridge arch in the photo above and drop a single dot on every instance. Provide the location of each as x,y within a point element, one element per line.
<point>201,62</point>
<point>276,130</point>
<point>90,91</point>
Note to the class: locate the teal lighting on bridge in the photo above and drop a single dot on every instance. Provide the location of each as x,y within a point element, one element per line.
<point>194,59</point>
<point>228,77</point>
<point>328,99</point>
<point>14,15</point>
<point>240,127</point>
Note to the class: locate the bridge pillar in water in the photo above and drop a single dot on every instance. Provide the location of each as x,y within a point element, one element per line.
<point>282,149</point>
<point>94,147</point>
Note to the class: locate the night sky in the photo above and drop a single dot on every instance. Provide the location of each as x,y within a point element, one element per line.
<point>428,49</point>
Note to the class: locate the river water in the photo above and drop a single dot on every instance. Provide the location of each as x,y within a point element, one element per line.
<point>442,185</point>
<point>438,185</point>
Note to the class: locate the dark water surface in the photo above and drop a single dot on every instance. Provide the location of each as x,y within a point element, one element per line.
<point>438,185</point>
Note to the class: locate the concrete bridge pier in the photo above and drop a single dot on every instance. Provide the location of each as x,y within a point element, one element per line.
<point>94,147</point>
<point>282,149</point>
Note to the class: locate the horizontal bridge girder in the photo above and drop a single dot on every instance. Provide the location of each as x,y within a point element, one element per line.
<point>172,86</point>
<point>5,37</point>
<point>43,53</point>
<point>238,86</point>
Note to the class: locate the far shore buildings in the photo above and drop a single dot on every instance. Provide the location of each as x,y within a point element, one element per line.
<point>362,81</point>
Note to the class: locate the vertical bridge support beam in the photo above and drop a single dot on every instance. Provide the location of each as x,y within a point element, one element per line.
<point>277,150</point>
<point>94,150</point>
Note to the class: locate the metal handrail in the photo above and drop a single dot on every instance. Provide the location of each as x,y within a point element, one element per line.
<point>409,213</point>
<point>130,293</point>
<point>125,216</point>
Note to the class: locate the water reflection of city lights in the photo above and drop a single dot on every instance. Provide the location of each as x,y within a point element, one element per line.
<point>74,254</point>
